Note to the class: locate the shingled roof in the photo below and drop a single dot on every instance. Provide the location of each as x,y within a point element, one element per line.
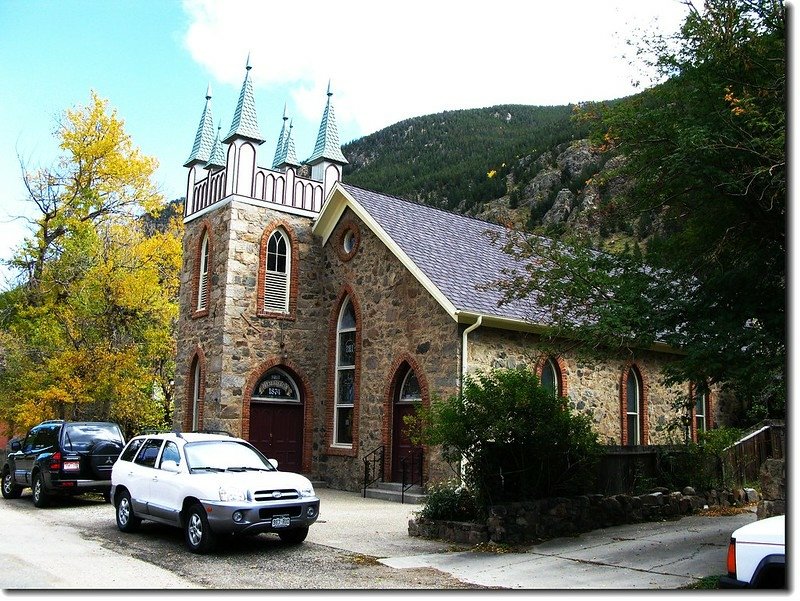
<point>455,255</point>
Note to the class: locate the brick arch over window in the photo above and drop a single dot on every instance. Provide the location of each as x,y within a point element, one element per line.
<point>197,259</point>
<point>196,384</point>
<point>632,368</point>
<point>562,371</point>
<point>305,392</point>
<point>293,271</point>
<point>397,371</point>
<point>330,414</point>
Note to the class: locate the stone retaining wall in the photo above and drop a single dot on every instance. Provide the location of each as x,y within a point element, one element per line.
<point>773,489</point>
<point>543,519</point>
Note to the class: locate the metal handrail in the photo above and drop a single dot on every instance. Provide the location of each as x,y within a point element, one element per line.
<point>414,457</point>
<point>373,467</point>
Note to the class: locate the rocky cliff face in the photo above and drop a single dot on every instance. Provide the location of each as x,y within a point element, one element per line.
<point>560,188</point>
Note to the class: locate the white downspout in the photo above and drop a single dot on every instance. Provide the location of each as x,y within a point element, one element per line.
<point>464,367</point>
<point>464,335</point>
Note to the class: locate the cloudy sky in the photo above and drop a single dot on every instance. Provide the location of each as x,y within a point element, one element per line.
<point>387,61</point>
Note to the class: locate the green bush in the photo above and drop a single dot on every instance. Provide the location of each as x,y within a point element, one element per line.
<point>449,501</point>
<point>519,441</point>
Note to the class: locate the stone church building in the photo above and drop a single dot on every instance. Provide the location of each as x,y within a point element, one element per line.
<point>314,314</point>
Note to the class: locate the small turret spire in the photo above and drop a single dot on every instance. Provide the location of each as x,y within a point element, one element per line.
<point>279,156</point>
<point>204,139</point>
<point>217,158</point>
<point>289,154</point>
<point>327,146</point>
<point>245,122</point>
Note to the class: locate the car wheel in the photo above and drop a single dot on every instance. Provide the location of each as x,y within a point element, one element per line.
<point>127,521</point>
<point>40,496</point>
<point>294,536</point>
<point>11,490</point>
<point>199,537</point>
<point>102,458</point>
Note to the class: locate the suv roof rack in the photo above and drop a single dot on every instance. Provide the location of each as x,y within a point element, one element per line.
<point>220,432</point>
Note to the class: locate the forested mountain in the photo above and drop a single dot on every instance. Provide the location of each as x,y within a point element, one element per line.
<point>529,166</point>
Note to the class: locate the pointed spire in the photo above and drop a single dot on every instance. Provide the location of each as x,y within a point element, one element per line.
<point>328,146</point>
<point>289,154</point>
<point>204,139</point>
<point>217,158</point>
<point>279,156</point>
<point>245,122</point>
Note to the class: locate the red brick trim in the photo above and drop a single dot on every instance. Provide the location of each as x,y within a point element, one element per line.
<point>205,230</point>
<point>199,358</point>
<point>306,397</point>
<point>399,368</point>
<point>562,371</point>
<point>294,277</point>
<point>643,403</point>
<point>346,292</point>
<point>348,225</point>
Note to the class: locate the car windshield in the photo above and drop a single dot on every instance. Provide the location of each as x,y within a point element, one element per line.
<point>79,437</point>
<point>224,455</point>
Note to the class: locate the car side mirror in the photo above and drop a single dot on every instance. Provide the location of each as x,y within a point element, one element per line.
<point>15,445</point>
<point>274,463</point>
<point>170,466</point>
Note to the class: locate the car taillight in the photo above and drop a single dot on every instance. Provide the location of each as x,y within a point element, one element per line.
<point>731,563</point>
<point>55,461</point>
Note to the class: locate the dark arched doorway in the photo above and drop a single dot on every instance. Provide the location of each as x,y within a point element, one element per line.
<point>276,419</point>
<point>407,396</point>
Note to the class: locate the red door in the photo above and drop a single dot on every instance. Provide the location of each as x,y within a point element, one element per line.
<point>276,429</point>
<point>401,443</point>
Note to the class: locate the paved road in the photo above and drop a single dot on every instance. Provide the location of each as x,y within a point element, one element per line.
<point>356,544</point>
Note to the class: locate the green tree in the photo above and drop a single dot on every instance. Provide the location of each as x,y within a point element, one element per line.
<point>89,333</point>
<point>705,152</point>
<point>517,439</point>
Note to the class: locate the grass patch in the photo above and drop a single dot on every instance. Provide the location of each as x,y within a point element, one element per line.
<point>704,584</point>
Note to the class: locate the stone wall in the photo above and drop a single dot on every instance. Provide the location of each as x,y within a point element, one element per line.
<point>773,489</point>
<point>401,323</point>
<point>543,519</point>
<point>592,383</point>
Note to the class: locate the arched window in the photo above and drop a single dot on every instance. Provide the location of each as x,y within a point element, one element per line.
<point>196,394</point>
<point>278,270</point>
<point>202,278</point>
<point>345,393</point>
<point>634,411</point>
<point>701,410</point>
<point>276,386</point>
<point>410,391</point>
<point>550,377</point>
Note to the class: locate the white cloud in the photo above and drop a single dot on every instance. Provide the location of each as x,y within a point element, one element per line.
<point>390,60</point>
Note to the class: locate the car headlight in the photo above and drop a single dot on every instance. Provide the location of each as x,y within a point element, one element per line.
<point>227,493</point>
<point>307,491</point>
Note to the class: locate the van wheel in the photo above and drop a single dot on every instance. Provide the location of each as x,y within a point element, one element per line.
<point>199,537</point>
<point>11,490</point>
<point>40,496</point>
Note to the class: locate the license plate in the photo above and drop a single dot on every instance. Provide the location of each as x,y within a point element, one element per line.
<point>282,521</point>
<point>72,466</point>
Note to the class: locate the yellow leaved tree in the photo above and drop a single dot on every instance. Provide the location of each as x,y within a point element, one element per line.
<point>89,331</point>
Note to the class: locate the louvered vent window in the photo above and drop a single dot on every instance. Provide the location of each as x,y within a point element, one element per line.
<point>276,278</point>
<point>202,283</point>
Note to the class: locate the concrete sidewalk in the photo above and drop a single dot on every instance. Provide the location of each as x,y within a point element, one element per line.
<point>653,555</point>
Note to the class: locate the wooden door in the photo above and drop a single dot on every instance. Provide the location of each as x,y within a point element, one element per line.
<point>276,429</point>
<point>401,443</point>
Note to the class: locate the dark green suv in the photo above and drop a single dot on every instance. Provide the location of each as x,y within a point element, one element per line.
<point>62,458</point>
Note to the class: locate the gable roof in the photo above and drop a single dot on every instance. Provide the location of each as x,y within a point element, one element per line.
<point>453,256</point>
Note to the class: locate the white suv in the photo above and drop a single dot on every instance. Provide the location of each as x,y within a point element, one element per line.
<point>757,555</point>
<point>209,485</point>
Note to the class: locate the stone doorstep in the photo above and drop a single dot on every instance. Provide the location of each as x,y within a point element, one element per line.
<point>391,491</point>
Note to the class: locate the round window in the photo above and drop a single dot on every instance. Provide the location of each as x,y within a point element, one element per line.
<point>349,241</point>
